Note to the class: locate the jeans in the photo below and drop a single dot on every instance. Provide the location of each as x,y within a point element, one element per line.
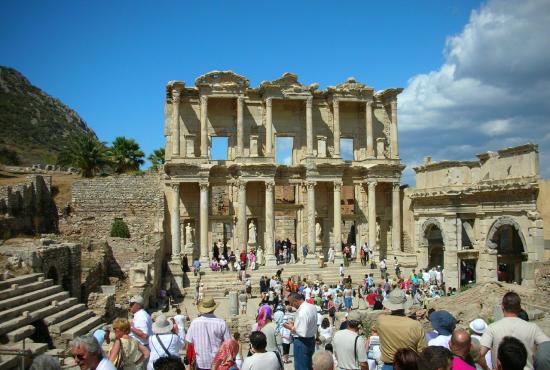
<point>303,351</point>
<point>387,367</point>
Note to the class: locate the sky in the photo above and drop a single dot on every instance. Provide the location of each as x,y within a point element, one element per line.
<point>476,74</point>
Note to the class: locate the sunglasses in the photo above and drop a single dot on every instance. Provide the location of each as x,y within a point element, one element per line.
<point>79,357</point>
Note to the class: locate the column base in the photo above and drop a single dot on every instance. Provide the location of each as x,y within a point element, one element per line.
<point>177,276</point>
<point>270,260</point>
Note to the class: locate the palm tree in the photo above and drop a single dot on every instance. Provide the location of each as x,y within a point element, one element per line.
<point>126,155</point>
<point>156,158</point>
<point>87,153</point>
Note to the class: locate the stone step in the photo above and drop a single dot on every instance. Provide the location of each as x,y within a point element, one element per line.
<point>70,322</point>
<point>7,326</point>
<point>32,306</point>
<point>82,328</point>
<point>20,333</point>
<point>62,315</point>
<point>21,280</point>
<point>29,297</point>
<point>18,289</point>
<point>10,362</point>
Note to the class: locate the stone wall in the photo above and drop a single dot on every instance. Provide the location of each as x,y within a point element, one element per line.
<point>543,205</point>
<point>28,208</point>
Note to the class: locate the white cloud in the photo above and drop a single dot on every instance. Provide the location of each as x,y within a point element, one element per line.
<point>491,92</point>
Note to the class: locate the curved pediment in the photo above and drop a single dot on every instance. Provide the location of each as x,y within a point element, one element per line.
<point>222,80</point>
<point>288,84</point>
<point>351,86</point>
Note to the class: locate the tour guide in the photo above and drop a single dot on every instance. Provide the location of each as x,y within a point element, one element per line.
<point>304,328</point>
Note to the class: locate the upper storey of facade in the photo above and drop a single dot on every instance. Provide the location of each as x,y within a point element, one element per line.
<point>320,122</point>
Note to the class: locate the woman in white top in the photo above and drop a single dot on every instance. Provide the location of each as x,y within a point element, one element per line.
<point>163,342</point>
<point>325,331</point>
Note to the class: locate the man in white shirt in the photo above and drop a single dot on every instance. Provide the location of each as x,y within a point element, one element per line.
<point>304,327</point>
<point>426,277</point>
<point>349,347</point>
<point>511,325</point>
<point>260,359</point>
<point>88,354</point>
<point>142,325</point>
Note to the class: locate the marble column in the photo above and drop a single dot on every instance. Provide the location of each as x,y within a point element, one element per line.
<point>268,127</point>
<point>336,127</point>
<point>204,221</point>
<point>176,122</point>
<point>269,218</point>
<point>175,222</point>
<point>337,216</point>
<point>311,216</point>
<point>242,227</point>
<point>309,126</point>
<point>372,215</point>
<point>396,218</point>
<point>204,126</point>
<point>393,130</point>
<point>370,133</point>
<point>240,129</point>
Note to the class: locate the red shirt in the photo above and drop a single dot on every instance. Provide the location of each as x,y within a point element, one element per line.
<point>371,298</point>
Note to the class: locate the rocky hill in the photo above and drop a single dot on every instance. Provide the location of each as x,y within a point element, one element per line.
<point>34,126</point>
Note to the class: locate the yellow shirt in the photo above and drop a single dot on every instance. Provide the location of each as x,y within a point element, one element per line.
<point>399,332</point>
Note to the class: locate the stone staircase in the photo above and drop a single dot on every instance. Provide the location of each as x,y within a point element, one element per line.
<point>33,307</point>
<point>217,283</point>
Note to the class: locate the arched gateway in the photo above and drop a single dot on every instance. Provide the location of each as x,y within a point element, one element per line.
<point>433,238</point>
<point>506,237</point>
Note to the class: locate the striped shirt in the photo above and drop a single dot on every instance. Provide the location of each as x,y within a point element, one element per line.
<point>207,333</point>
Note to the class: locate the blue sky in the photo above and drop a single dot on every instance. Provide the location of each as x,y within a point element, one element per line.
<point>110,60</point>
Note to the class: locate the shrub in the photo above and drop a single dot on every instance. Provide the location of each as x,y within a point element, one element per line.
<point>119,229</point>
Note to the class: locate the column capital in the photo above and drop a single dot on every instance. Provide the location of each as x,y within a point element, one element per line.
<point>393,104</point>
<point>175,186</point>
<point>309,101</point>
<point>203,185</point>
<point>241,184</point>
<point>268,102</point>
<point>368,103</point>
<point>310,185</point>
<point>176,96</point>
<point>204,99</point>
<point>372,185</point>
<point>240,99</point>
<point>335,103</point>
<point>269,185</point>
<point>396,186</point>
<point>338,185</point>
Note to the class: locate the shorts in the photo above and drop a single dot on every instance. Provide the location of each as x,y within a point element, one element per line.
<point>242,305</point>
<point>249,289</point>
<point>286,348</point>
<point>348,301</point>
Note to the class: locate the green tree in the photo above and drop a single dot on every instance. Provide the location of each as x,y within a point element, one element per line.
<point>126,155</point>
<point>156,158</point>
<point>87,153</point>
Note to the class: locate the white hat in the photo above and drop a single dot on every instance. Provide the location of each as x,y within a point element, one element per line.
<point>478,326</point>
<point>137,299</point>
<point>162,325</point>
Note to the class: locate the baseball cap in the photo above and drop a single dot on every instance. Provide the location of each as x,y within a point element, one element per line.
<point>136,299</point>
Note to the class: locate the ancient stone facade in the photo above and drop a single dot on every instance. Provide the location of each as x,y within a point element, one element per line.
<point>249,200</point>
<point>478,219</point>
<point>27,208</point>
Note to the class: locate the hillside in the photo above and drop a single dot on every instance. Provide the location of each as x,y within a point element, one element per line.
<point>33,124</point>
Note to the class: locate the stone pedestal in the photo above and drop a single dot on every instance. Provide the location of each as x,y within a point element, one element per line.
<point>233,303</point>
<point>175,271</point>
<point>270,260</point>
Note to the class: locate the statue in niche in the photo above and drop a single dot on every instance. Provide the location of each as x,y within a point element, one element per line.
<point>251,232</point>
<point>188,233</point>
<point>378,232</point>
<point>318,232</point>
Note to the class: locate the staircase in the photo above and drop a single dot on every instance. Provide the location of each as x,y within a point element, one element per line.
<point>217,283</point>
<point>33,307</point>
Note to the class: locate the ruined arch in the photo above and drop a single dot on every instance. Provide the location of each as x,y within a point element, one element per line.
<point>499,222</point>
<point>427,226</point>
<point>53,274</point>
<point>433,240</point>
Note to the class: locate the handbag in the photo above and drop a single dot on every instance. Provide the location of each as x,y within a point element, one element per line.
<point>120,361</point>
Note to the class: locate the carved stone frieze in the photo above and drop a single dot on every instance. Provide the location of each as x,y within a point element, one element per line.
<point>289,86</point>
<point>222,81</point>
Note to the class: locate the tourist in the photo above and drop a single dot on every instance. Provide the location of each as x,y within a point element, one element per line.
<point>214,265</point>
<point>305,251</point>
<point>265,324</point>
<point>460,345</point>
<point>362,257</point>
<point>185,263</point>
<point>232,260</point>
<point>165,342</point>
<point>88,354</point>
<point>226,357</point>
<point>125,352</point>
<point>243,258</point>
<point>252,259</point>
<point>435,358</point>
<point>207,333</point>
<point>542,357</point>
<point>511,325</point>
<point>433,280</point>
<point>196,267</point>
<point>322,360</point>
<point>304,327</point>
<point>45,362</point>
<point>477,328</point>
<point>396,267</point>
<point>261,359</point>
<point>248,287</point>
<point>243,302</point>
<point>330,255</point>
<point>353,251</point>
<point>292,253</point>
<point>512,354</point>
<point>405,359</point>
<point>396,330</point>
<point>341,270</point>
<point>383,269</point>
<point>444,324</point>
<point>223,263</point>
<point>216,251</point>
<point>169,363</point>
<point>349,346</point>
<point>142,324</point>
<point>286,339</point>
<point>180,322</point>
<point>348,297</point>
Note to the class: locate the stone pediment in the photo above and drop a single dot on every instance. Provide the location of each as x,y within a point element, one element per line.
<point>222,81</point>
<point>288,85</point>
<point>351,88</point>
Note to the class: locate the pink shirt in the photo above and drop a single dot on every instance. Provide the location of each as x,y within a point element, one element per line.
<point>460,364</point>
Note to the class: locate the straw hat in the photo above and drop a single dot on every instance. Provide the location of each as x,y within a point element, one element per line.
<point>162,325</point>
<point>397,300</point>
<point>207,305</point>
